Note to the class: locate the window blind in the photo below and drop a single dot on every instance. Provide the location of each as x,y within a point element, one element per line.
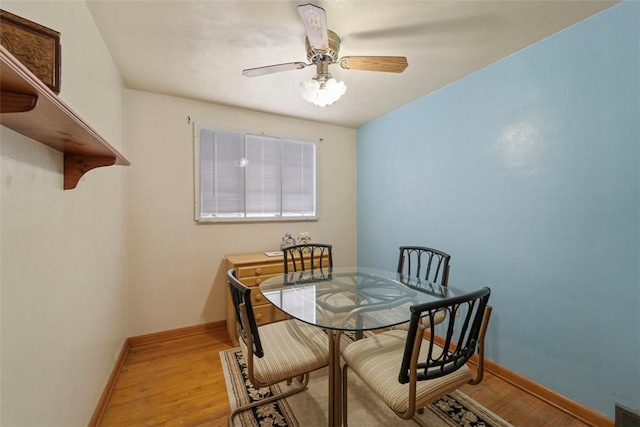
<point>243,175</point>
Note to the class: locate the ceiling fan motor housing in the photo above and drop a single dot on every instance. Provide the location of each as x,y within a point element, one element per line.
<point>330,55</point>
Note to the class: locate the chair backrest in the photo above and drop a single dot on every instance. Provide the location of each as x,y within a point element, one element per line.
<point>307,256</point>
<point>462,334</point>
<point>247,326</point>
<point>424,263</point>
<point>319,274</point>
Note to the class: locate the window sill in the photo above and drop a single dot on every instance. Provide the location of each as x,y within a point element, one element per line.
<point>256,220</point>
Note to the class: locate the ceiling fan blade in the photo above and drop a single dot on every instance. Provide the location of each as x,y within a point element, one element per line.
<point>314,20</point>
<point>269,69</point>
<point>389,64</point>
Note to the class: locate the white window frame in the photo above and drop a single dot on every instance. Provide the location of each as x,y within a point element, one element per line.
<point>308,214</point>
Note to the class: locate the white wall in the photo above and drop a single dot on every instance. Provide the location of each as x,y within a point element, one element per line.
<point>63,277</point>
<point>176,266</point>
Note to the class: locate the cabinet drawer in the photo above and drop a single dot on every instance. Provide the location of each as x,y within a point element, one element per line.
<point>256,280</point>
<point>258,299</point>
<point>267,313</point>
<point>259,270</point>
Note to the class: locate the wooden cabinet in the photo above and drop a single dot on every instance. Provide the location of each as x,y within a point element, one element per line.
<point>252,269</point>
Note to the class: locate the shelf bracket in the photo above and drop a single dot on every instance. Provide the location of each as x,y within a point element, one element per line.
<point>13,102</point>
<point>77,165</point>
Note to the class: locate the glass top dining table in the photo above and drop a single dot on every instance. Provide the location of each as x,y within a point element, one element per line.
<point>354,299</point>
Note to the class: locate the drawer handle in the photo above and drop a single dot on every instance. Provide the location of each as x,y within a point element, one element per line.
<point>258,316</point>
<point>258,271</point>
<point>258,281</point>
<point>258,297</point>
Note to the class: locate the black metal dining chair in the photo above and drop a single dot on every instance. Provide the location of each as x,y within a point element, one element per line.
<point>423,263</point>
<point>275,352</point>
<point>421,266</point>
<point>407,370</point>
<point>307,256</point>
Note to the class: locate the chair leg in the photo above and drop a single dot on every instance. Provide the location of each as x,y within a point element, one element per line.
<point>299,377</point>
<point>303,379</point>
<point>345,422</point>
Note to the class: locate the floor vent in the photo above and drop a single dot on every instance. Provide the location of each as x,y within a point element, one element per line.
<point>626,417</point>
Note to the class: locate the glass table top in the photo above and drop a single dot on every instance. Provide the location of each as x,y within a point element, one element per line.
<point>350,298</point>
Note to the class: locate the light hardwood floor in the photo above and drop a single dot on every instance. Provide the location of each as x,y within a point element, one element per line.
<point>179,382</point>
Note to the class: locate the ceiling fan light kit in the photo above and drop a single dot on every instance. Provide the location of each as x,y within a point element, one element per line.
<point>322,92</point>
<point>322,48</point>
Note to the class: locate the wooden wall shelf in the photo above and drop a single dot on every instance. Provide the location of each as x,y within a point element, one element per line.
<point>29,107</point>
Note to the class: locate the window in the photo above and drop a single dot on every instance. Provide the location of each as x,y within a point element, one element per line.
<point>243,176</point>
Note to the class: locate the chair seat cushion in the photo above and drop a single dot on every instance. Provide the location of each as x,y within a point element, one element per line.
<point>377,359</point>
<point>291,348</point>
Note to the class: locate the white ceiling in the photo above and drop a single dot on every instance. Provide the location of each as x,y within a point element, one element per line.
<point>198,49</point>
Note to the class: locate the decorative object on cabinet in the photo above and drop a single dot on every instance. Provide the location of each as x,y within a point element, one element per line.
<point>287,241</point>
<point>304,238</point>
<point>30,108</point>
<point>35,45</point>
<point>252,269</point>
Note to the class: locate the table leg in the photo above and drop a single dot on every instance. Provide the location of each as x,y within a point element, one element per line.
<point>335,377</point>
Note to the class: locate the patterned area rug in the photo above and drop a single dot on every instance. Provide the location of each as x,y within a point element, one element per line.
<point>309,408</point>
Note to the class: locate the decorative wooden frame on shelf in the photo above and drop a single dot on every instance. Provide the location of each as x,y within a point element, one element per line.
<point>35,45</point>
<point>29,107</point>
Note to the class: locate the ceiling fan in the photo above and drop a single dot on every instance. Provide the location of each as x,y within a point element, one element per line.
<point>322,47</point>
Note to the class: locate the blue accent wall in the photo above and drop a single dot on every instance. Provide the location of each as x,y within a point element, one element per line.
<point>528,173</point>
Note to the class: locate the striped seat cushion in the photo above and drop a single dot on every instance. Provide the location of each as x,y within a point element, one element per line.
<point>376,360</point>
<point>291,348</point>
